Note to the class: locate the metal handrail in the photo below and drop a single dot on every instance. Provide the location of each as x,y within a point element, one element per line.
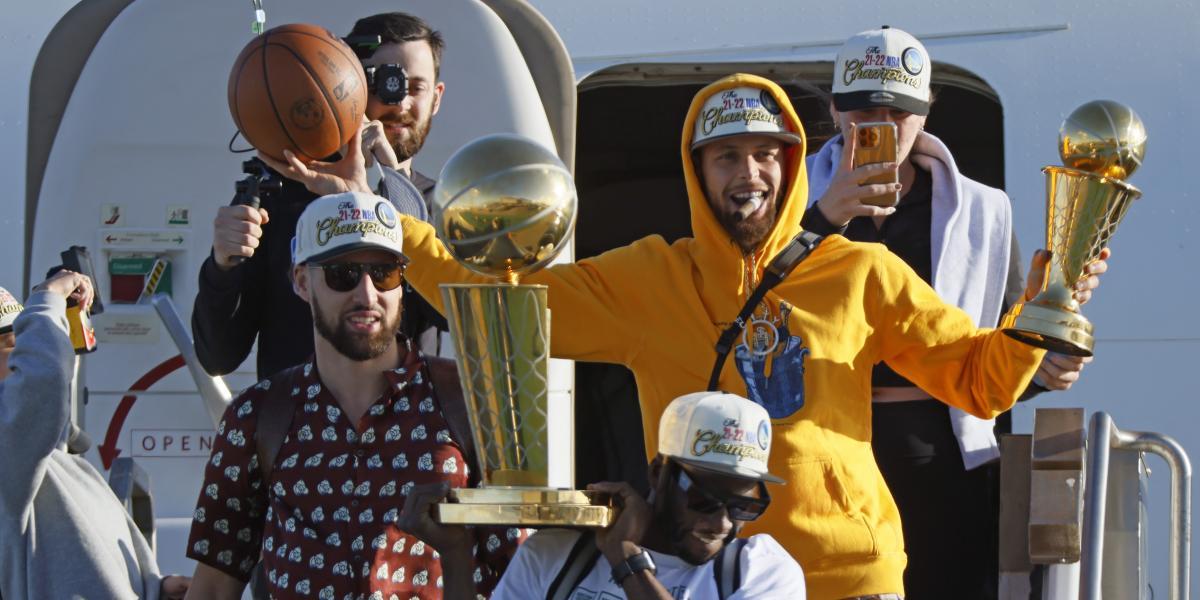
<point>1103,436</point>
<point>212,389</point>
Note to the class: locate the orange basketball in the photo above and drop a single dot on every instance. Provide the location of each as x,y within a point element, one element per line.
<point>297,87</point>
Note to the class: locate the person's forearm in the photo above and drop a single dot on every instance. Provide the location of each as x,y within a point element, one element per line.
<point>222,320</point>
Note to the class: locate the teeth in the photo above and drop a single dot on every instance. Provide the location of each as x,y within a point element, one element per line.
<point>749,195</point>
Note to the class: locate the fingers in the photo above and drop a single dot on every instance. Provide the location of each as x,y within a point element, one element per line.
<point>376,146</point>
<point>1059,371</point>
<point>1091,279</point>
<point>619,489</point>
<point>237,231</point>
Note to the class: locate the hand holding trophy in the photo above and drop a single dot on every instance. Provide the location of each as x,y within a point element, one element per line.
<point>1101,143</point>
<point>504,206</point>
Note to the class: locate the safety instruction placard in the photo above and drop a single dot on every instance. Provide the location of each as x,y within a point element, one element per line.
<point>127,328</point>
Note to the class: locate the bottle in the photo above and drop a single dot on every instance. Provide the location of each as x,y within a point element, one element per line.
<point>83,335</point>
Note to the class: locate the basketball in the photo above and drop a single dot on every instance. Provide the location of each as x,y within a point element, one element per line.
<point>297,87</point>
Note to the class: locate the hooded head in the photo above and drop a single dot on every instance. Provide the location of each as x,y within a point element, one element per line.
<point>743,156</point>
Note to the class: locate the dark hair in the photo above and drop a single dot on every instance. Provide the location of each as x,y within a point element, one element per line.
<point>397,28</point>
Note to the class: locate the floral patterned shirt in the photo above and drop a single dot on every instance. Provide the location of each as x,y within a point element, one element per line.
<point>325,523</point>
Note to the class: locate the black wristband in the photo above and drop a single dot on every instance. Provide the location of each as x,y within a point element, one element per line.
<point>638,562</point>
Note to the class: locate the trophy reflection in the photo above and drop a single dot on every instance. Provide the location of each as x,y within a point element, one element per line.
<point>1101,143</point>
<point>505,206</point>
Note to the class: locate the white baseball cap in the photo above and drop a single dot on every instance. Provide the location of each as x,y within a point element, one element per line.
<point>718,432</point>
<point>740,111</point>
<point>882,67</point>
<point>9,309</point>
<point>334,225</point>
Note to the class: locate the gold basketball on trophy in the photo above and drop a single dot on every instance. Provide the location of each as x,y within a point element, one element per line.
<point>504,205</point>
<point>1101,143</point>
<point>1103,137</point>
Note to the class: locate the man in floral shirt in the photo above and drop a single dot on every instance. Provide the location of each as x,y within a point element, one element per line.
<point>366,428</point>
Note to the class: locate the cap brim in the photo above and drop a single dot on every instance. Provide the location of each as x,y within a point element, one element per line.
<point>728,471</point>
<point>849,101</point>
<point>348,248</point>
<point>786,137</point>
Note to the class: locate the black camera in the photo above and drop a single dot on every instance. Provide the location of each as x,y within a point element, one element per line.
<point>258,184</point>
<point>388,82</point>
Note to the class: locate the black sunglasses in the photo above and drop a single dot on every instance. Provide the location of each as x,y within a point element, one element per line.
<point>344,276</point>
<point>706,501</point>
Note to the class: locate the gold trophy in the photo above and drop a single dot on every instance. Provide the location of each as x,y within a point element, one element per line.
<point>504,206</point>
<point>1101,144</point>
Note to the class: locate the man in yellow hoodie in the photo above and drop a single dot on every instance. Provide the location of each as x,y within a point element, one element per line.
<point>659,308</point>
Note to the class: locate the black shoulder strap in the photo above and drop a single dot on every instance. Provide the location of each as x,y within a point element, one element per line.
<point>448,393</point>
<point>580,561</point>
<point>797,250</point>
<point>727,568</point>
<point>274,419</point>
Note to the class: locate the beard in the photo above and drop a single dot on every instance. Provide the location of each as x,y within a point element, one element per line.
<point>355,346</point>
<point>749,233</point>
<point>408,146</point>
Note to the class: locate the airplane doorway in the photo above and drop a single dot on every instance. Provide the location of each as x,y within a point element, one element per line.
<point>630,184</point>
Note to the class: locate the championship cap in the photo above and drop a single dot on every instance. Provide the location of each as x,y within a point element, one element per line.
<point>738,111</point>
<point>882,67</point>
<point>718,432</point>
<point>9,309</point>
<point>334,225</point>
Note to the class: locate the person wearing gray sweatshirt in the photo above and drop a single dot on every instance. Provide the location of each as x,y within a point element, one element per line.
<point>63,533</point>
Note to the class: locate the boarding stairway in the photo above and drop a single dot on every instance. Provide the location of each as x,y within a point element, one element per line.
<point>1074,519</point>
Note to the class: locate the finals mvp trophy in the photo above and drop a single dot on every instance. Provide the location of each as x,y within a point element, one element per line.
<point>1101,144</point>
<point>504,206</point>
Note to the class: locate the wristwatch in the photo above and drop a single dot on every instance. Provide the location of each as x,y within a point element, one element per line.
<point>638,562</point>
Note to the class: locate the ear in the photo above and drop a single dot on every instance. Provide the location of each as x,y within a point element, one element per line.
<point>300,282</point>
<point>656,469</point>
<point>438,90</point>
<point>835,115</point>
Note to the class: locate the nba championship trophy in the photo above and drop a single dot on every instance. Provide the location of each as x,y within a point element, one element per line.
<point>504,206</point>
<point>1101,144</point>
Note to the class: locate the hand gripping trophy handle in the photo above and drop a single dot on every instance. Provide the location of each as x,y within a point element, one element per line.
<point>1101,143</point>
<point>504,206</point>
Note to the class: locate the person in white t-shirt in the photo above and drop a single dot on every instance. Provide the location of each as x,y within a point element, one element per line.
<point>680,543</point>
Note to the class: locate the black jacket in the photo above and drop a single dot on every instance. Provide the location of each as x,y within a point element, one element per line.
<point>254,300</point>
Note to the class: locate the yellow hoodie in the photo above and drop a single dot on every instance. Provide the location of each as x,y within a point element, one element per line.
<point>659,309</point>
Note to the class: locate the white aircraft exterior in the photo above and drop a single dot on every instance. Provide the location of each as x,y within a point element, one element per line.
<point>146,130</point>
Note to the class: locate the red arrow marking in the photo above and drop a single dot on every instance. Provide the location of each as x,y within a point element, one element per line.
<point>108,450</point>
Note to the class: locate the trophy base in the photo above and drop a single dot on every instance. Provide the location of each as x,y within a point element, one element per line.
<point>1054,329</point>
<point>526,507</point>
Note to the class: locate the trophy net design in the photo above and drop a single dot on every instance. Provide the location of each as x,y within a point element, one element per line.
<point>1101,143</point>
<point>505,206</point>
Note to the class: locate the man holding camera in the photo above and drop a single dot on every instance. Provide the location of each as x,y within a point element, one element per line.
<point>244,292</point>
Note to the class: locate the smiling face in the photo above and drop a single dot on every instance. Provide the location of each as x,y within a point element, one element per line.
<point>695,536</point>
<point>407,124</point>
<point>360,324</point>
<point>742,177</point>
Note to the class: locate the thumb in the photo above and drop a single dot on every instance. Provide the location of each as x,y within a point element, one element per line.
<point>354,146</point>
<point>266,218</point>
<point>1037,273</point>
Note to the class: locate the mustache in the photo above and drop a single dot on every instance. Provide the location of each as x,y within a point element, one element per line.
<point>397,119</point>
